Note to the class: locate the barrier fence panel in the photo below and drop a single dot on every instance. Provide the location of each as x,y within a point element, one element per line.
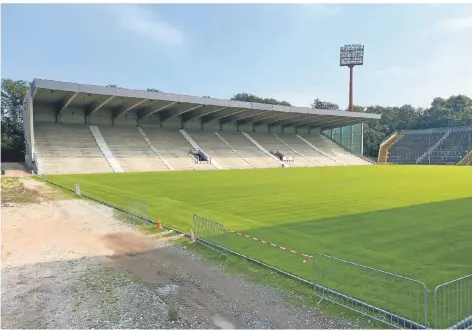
<point>453,304</point>
<point>138,207</point>
<point>211,234</point>
<point>77,190</point>
<point>386,297</point>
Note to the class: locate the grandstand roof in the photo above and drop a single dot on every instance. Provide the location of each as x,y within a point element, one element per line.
<point>64,95</point>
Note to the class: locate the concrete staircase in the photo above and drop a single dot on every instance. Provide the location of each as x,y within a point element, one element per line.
<point>196,146</point>
<point>37,160</point>
<point>331,160</point>
<point>261,148</point>
<point>151,146</point>
<point>385,147</point>
<point>307,162</point>
<point>436,145</point>
<point>105,150</point>
<point>466,160</point>
<point>232,149</point>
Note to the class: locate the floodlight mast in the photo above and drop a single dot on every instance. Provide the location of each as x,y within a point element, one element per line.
<point>350,56</point>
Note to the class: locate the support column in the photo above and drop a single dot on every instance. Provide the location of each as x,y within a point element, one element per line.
<point>362,138</point>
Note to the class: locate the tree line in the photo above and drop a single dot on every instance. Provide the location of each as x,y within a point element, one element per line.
<point>453,111</point>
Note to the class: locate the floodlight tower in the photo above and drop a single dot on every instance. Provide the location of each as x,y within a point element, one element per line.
<point>350,56</point>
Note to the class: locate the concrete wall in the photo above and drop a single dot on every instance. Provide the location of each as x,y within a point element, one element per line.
<point>302,131</point>
<point>193,124</point>
<point>172,123</point>
<point>28,129</point>
<point>211,126</point>
<point>152,120</point>
<point>350,137</point>
<point>102,118</point>
<point>230,127</point>
<point>289,130</point>
<point>246,128</point>
<point>72,116</point>
<point>44,114</point>
<point>127,119</point>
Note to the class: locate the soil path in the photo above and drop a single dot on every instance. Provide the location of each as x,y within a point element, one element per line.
<point>71,264</point>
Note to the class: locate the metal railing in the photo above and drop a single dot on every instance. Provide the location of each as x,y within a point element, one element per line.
<point>392,299</point>
<point>453,304</point>
<point>138,208</point>
<point>210,233</point>
<point>383,296</point>
<point>77,190</point>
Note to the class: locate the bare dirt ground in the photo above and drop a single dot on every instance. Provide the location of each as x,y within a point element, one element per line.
<point>69,263</point>
<point>16,170</point>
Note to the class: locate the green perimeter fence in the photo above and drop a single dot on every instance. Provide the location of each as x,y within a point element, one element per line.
<point>392,299</point>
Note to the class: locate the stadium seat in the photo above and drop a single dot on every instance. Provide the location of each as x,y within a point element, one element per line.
<point>131,150</point>
<point>248,150</point>
<point>215,147</point>
<point>335,151</point>
<point>272,144</point>
<point>174,148</point>
<point>68,149</point>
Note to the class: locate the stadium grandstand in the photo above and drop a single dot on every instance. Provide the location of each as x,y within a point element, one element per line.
<point>439,146</point>
<point>75,128</point>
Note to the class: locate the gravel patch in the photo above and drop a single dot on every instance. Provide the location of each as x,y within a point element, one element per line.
<point>72,264</point>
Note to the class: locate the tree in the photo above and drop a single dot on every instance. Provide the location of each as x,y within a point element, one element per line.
<point>13,95</point>
<point>246,97</point>
<point>318,104</point>
<point>153,90</point>
<point>13,143</point>
<point>454,111</point>
<point>114,86</point>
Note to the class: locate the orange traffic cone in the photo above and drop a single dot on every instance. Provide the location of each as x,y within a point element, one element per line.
<point>159,224</point>
<point>191,239</point>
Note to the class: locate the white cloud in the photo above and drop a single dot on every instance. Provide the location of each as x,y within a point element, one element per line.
<point>145,23</point>
<point>456,23</point>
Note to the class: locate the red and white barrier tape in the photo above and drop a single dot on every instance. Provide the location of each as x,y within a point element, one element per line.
<point>307,257</point>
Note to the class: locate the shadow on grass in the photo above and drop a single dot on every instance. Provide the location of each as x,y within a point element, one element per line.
<point>429,242</point>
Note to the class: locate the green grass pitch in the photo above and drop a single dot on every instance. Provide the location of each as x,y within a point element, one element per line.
<point>415,221</point>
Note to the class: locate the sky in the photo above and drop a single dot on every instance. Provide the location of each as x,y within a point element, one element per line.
<point>413,53</point>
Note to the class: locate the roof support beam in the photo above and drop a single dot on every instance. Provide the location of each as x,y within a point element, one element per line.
<point>222,119</point>
<point>276,119</point>
<point>336,125</point>
<point>294,122</point>
<point>147,114</point>
<point>199,113</point>
<point>234,117</point>
<point>65,103</point>
<point>166,114</point>
<point>271,115</point>
<point>94,107</point>
<point>121,110</point>
<point>282,120</point>
<point>321,122</point>
<point>208,118</point>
